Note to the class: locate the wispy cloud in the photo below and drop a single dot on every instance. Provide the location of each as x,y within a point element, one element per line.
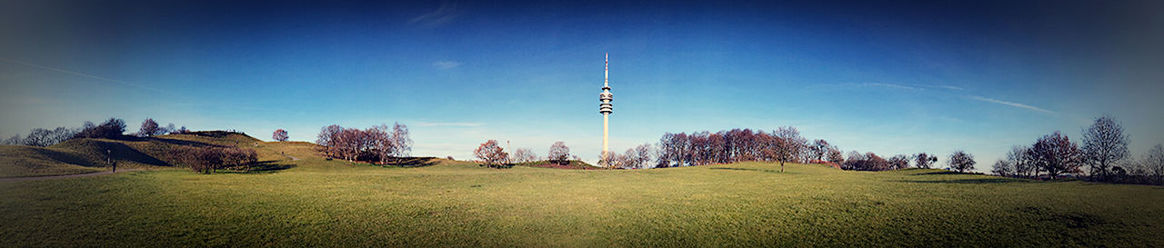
<point>1012,104</point>
<point>450,124</point>
<point>81,74</point>
<point>444,14</point>
<point>446,64</point>
<point>950,87</point>
<point>892,86</point>
<point>909,86</point>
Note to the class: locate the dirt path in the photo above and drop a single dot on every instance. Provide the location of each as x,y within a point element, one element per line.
<point>17,179</point>
<point>293,158</point>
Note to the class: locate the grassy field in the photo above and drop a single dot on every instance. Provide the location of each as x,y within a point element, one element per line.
<point>332,203</point>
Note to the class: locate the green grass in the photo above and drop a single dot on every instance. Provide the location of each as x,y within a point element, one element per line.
<point>333,203</point>
<point>573,164</point>
<point>25,161</point>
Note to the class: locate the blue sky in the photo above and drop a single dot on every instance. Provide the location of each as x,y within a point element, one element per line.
<point>887,77</point>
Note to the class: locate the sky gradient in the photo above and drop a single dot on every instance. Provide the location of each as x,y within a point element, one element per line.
<point>887,77</point>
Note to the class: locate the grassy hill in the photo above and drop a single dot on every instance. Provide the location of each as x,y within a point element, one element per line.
<point>453,203</point>
<point>22,161</point>
<point>90,155</point>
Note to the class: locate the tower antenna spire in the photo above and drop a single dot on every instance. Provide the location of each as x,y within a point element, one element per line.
<point>606,71</point>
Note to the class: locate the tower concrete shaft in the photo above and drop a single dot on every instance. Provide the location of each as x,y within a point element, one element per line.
<point>606,108</point>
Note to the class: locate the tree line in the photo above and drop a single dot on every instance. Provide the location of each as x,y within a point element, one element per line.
<point>113,128</point>
<point>1104,153</point>
<point>701,148</point>
<point>784,144</point>
<point>491,154</point>
<point>375,144</point>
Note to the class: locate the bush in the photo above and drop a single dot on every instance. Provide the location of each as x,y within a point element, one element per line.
<point>865,162</point>
<point>280,135</point>
<point>206,160</point>
<point>111,129</point>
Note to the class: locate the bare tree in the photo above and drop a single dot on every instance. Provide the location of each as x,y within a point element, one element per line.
<point>1153,164</point>
<point>379,142</point>
<point>149,128</point>
<point>717,148</point>
<point>61,134</point>
<point>788,144</point>
<point>1003,168</point>
<point>111,129</point>
<point>819,149</point>
<point>14,140</point>
<point>961,161</point>
<point>629,159</point>
<point>39,137</point>
<point>836,156</point>
<point>669,150</point>
<point>280,135</point>
<point>924,161</point>
<point>611,160</point>
<point>1019,158</point>
<point>899,162</point>
<point>375,144</point>
<point>642,155</point>
<point>559,153</point>
<point>635,158</point>
<point>326,138</point>
<point>524,155</point>
<point>490,153</point>
<point>401,140</point>
<point>348,143</point>
<point>1055,154</point>
<point>877,163</point>
<point>852,162</point>
<point>865,162</point>
<point>169,129</point>
<point>1104,143</point>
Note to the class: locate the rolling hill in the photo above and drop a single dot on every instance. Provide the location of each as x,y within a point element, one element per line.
<point>77,156</point>
<point>320,202</point>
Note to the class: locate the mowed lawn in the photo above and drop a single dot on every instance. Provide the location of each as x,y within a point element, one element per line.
<point>333,203</point>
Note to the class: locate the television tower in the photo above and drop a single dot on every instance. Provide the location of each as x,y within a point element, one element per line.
<point>606,108</point>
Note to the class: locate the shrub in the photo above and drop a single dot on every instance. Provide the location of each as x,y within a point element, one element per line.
<point>865,162</point>
<point>206,160</point>
<point>111,129</point>
<point>280,135</point>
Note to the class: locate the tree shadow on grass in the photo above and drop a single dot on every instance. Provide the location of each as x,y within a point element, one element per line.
<point>971,181</point>
<point>940,173</point>
<point>168,141</point>
<point>261,167</point>
<point>1068,219</point>
<point>100,151</point>
<point>410,162</point>
<point>747,169</point>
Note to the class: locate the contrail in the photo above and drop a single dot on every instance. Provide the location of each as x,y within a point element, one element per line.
<point>81,74</point>
<point>1012,104</point>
